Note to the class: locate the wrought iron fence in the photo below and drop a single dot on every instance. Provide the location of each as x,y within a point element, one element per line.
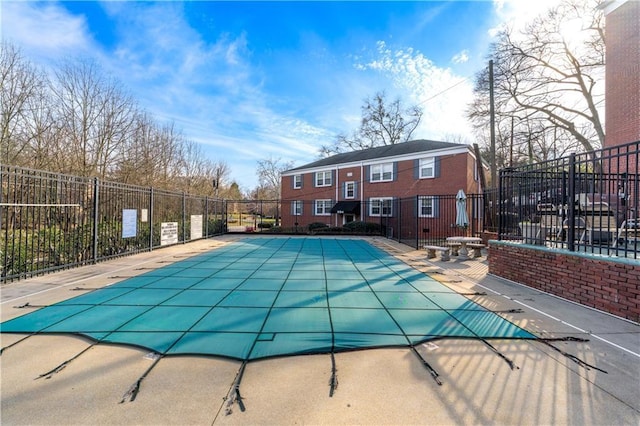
<point>252,216</point>
<point>585,202</point>
<point>50,221</point>
<point>414,221</point>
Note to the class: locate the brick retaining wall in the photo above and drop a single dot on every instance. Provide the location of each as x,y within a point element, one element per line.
<point>607,284</point>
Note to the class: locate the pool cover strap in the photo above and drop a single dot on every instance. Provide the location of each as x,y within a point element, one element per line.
<point>426,365</point>
<point>132,393</point>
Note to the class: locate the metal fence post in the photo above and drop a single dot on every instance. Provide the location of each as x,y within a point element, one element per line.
<point>151,218</point>
<point>501,207</point>
<point>184,217</point>
<point>206,217</point>
<point>571,205</point>
<point>95,219</point>
<point>416,205</point>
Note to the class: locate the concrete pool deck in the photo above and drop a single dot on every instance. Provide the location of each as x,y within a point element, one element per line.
<point>375,386</point>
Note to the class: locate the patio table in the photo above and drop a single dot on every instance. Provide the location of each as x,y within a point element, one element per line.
<point>464,252</point>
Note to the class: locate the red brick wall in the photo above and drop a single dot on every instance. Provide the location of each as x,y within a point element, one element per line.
<point>457,171</point>
<point>611,286</point>
<point>622,80</point>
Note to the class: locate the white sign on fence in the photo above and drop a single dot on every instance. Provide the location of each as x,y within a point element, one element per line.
<point>168,233</point>
<point>196,226</point>
<point>129,223</point>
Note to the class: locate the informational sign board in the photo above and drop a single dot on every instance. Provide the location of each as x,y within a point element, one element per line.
<point>144,214</point>
<point>168,233</point>
<point>129,223</point>
<point>196,227</point>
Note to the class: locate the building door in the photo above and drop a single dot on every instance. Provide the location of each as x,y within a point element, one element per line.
<point>349,218</point>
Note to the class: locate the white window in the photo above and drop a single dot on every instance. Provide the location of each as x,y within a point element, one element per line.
<point>427,168</point>
<point>381,172</point>
<point>381,206</point>
<point>323,207</point>
<point>296,208</point>
<point>425,207</point>
<point>297,182</point>
<point>323,178</point>
<point>349,190</point>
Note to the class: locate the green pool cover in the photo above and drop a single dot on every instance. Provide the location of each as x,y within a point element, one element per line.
<point>266,297</point>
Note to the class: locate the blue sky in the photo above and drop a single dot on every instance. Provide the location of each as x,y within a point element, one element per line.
<point>257,80</point>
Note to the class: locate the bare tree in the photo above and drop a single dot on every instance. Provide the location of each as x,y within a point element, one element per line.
<point>269,171</point>
<point>382,124</point>
<point>200,174</point>
<point>81,122</point>
<point>548,84</point>
<point>95,117</point>
<point>20,86</point>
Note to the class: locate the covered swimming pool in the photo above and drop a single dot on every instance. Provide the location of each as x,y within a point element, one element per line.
<point>265,297</point>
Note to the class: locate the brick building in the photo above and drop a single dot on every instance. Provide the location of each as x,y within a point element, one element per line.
<point>366,185</point>
<point>622,78</point>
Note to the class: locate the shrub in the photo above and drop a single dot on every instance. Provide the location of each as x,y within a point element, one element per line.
<point>364,228</point>
<point>316,226</point>
<point>274,230</point>
<point>330,230</point>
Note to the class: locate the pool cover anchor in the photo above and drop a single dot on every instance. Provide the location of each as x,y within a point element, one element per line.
<point>133,391</point>
<point>29,305</point>
<point>333,381</point>
<point>547,341</point>
<point>426,365</point>
<point>509,362</point>
<point>64,364</point>
<point>234,392</point>
<point>16,342</point>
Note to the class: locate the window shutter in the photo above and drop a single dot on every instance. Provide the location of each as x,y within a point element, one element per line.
<point>395,171</point>
<point>436,206</point>
<point>301,181</point>
<point>436,167</point>
<point>355,189</point>
<point>293,182</point>
<point>367,174</point>
<point>344,189</point>
<point>416,206</point>
<point>416,169</point>
<point>333,177</point>
<point>293,208</point>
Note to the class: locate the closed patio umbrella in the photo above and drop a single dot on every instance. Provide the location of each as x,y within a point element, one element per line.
<point>462,220</point>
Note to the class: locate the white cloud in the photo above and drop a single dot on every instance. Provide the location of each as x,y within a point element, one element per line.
<point>516,14</point>
<point>44,31</point>
<point>210,88</point>
<point>442,94</point>
<point>460,57</point>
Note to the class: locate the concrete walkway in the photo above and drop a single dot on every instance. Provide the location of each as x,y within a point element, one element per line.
<point>376,386</point>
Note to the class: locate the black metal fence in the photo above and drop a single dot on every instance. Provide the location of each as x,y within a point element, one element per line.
<point>414,221</point>
<point>50,221</point>
<point>585,202</point>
